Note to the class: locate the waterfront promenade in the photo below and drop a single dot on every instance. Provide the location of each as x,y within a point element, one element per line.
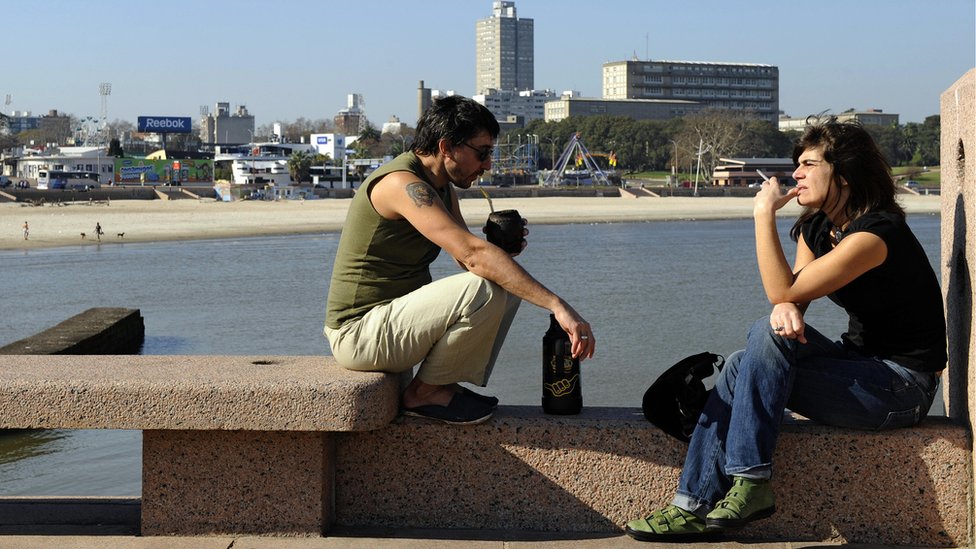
<point>157,220</point>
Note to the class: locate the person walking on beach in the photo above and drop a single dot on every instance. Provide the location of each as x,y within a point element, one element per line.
<point>26,230</point>
<point>385,313</point>
<point>854,247</point>
<point>98,231</point>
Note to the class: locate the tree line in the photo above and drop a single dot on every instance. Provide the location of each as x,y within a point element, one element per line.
<point>660,145</point>
<point>638,145</point>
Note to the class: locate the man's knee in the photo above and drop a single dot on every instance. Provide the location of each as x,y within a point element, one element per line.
<point>487,295</point>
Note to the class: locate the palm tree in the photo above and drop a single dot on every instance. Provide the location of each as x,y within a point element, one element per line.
<point>298,166</point>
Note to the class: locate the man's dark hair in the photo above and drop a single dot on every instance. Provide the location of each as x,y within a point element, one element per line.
<point>454,118</point>
<point>856,159</point>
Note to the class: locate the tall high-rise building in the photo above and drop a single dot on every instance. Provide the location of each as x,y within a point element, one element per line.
<point>352,119</point>
<point>504,50</point>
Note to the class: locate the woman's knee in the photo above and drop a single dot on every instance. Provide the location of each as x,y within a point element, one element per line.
<point>762,337</point>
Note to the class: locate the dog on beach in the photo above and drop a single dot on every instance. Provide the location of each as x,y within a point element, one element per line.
<point>120,235</point>
<point>82,236</point>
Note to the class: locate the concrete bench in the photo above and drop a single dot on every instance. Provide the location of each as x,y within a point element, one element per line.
<point>526,471</point>
<point>230,444</point>
<point>297,445</point>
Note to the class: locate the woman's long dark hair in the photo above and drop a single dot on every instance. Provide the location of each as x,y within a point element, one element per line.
<point>856,159</point>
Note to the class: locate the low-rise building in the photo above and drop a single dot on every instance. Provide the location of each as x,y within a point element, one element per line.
<point>743,172</point>
<point>869,117</point>
<point>638,109</point>
<point>526,105</point>
<point>71,159</point>
<point>227,128</point>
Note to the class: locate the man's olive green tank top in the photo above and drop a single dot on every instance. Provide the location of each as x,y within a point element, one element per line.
<point>378,259</point>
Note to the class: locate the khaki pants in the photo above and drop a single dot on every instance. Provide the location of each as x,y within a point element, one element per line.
<point>453,327</point>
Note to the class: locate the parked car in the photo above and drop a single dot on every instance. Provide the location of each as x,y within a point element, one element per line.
<point>912,184</point>
<point>4,182</point>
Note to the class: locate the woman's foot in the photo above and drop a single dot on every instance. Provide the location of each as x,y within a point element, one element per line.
<point>670,524</point>
<point>747,500</point>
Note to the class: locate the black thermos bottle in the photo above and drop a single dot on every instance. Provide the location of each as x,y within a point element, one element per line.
<point>561,392</point>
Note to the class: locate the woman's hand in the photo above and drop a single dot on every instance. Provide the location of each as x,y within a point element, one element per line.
<point>787,320</point>
<point>771,198</point>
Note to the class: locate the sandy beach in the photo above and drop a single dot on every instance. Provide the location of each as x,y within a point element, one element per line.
<point>158,220</point>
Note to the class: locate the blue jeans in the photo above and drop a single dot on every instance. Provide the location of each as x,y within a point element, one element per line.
<point>821,380</point>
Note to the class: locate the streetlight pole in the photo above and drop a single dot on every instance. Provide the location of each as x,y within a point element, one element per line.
<point>535,152</point>
<point>552,152</point>
<point>700,152</point>
<point>674,161</point>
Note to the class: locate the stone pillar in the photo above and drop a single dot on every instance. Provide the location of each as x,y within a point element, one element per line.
<point>958,113</point>
<point>236,482</point>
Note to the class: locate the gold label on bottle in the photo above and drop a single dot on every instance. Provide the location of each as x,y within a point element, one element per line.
<point>562,387</point>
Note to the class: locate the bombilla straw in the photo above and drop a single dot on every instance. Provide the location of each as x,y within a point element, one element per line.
<point>484,192</point>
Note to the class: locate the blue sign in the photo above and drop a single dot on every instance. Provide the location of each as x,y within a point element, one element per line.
<point>322,140</point>
<point>165,124</point>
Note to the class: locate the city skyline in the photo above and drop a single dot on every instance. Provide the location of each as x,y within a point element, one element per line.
<point>301,58</point>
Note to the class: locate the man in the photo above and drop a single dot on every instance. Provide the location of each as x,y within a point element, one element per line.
<point>384,312</point>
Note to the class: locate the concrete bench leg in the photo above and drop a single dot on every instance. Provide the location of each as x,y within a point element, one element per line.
<point>237,482</point>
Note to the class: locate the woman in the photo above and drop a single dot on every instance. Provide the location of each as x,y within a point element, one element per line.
<point>853,246</point>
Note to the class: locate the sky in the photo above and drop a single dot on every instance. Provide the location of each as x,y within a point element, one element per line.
<point>291,59</point>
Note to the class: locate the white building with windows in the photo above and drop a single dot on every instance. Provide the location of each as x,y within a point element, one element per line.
<point>72,159</point>
<point>504,50</point>
<point>227,128</point>
<point>527,104</point>
<point>331,144</point>
<point>745,87</point>
<point>869,117</point>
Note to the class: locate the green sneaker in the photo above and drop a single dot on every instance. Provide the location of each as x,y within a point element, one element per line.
<point>747,500</point>
<point>670,524</point>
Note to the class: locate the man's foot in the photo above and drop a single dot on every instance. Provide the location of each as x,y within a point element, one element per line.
<point>463,409</point>
<point>747,500</point>
<point>671,524</point>
<point>489,400</point>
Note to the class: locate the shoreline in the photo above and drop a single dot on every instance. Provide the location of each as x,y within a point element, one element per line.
<point>205,219</point>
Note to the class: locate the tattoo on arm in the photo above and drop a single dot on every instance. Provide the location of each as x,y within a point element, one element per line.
<point>421,194</point>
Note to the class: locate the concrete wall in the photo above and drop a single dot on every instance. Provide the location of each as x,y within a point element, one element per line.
<point>96,331</point>
<point>958,152</point>
<point>524,471</point>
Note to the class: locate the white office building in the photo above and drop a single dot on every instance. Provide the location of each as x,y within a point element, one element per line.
<point>745,87</point>
<point>527,105</point>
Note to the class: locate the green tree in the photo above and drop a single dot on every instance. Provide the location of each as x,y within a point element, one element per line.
<point>369,132</point>
<point>889,140</point>
<point>928,149</point>
<point>713,134</point>
<point>298,166</point>
<point>115,148</point>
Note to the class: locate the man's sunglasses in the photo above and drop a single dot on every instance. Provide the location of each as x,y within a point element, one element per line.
<point>481,154</point>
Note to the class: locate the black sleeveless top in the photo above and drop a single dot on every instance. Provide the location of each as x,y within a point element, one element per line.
<point>895,310</point>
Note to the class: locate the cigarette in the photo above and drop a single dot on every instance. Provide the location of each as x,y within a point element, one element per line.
<point>762,175</point>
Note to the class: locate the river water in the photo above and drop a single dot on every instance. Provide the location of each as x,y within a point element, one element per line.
<point>654,292</point>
